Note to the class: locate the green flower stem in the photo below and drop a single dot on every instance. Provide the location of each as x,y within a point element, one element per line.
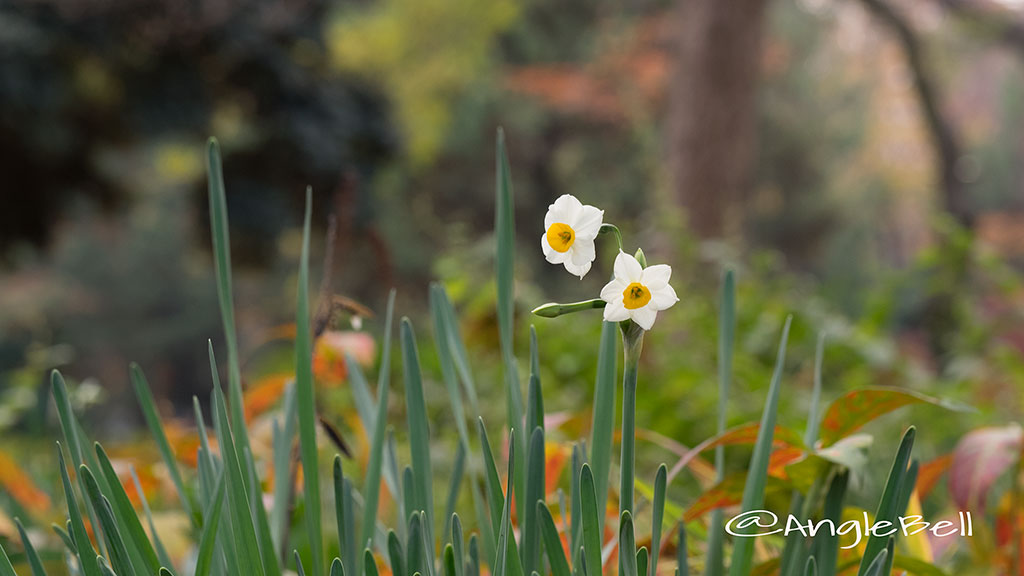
<point>611,229</point>
<point>632,344</point>
<point>554,310</point>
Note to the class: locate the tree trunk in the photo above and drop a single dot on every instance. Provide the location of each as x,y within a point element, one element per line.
<point>712,108</point>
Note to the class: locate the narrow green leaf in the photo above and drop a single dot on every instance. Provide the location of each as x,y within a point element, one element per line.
<point>457,545</point>
<point>445,358</point>
<point>337,569</point>
<point>505,232</point>
<point>642,557</point>
<point>826,544</point>
<point>283,479</point>
<point>65,537</point>
<point>657,517</point>
<point>30,551</point>
<point>877,566</point>
<point>343,511</point>
<point>530,529</point>
<point>496,502</point>
<point>458,470</point>
<point>419,432</point>
<point>144,558</point>
<point>603,423</point>
<point>222,267</point>
<point>6,568</point>
<point>375,466</point>
<point>248,550</point>
<point>307,402</point>
<point>396,554</point>
<point>627,545</point>
<point>682,556</point>
<point>414,553</point>
<point>369,563</point>
<point>576,532</point>
<point>298,564</point>
<point>753,492</point>
<point>84,549</point>
<point>208,537</point>
<point>449,560</point>
<point>458,348</point>
<point>591,521</point>
<point>112,536</point>
<point>552,541</point>
<point>505,528</point>
<point>726,335</point>
<point>811,568</point>
<point>473,568</point>
<point>887,506</point>
<point>156,427</point>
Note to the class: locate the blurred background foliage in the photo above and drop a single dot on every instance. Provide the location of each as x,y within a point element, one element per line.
<point>856,161</point>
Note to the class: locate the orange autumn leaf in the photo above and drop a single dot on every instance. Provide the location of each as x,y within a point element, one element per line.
<point>264,394</point>
<point>20,486</point>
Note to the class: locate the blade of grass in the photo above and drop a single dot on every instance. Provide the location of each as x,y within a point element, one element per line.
<point>337,569</point>
<point>682,557</point>
<point>396,554</point>
<point>603,423</point>
<point>458,348</point>
<point>505,528</point>
<point>156,427</point>
<point>826,544</point>
<point>144,558</point>
<point>307,402</point>
<point>552,541</point>
<point>222,266</point>
<point>657,516</point>
<point>753,491</point>
<point>375,467</point>
<point>642,557</point>
<point>342,509</point>
<point>35,564</point>
<point>369,563</point>
<point>6,568</point>
<point>530,529</point>
<point>283,479</point>
<point>591,522</point>
<point>83,547</point>
<point>119,557</point>
<point>504,224</point>
<point>496,502</point>
<point>414,558</point>
<point>208,538</point>
<point>419,432</point>
<point>74,436</point>
<point>887,506</point>
<point>457,545</point>
<point>458,470</point>
<point>627,545</point>
<point>473,567</point>
<point>577,461</point>
<point>726,336</point>
<point>444,355</point>
<point>247,545</point>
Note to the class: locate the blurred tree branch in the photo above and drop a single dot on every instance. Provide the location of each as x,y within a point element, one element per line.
<point>943,133</point>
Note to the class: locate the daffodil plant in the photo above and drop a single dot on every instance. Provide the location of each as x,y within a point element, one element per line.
<point>633,298</point>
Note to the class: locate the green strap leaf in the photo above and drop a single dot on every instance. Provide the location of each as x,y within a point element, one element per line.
<point>208,537</point>
<point>591,522</point>
<point>889,503</point>
<point>35,564</point>
<point>307,402</point>
<point>604,414</point>
<point>83,548</point>
<point>753,491</point>
<point>552,541</point>
<point>657,517</point>
<point>627,545</point>
<point>419,432</point>
<point>6,568</point>
<point>535,485</point>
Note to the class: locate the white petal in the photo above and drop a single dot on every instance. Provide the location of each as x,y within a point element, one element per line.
<point>663,298</point>
<point>656,277</point>
<point>644,316</point>
<point>588,222</point>
<point>560,210</point>
<point>577,269</point>
<point>582,251</point>
<point>615,312</point>
<point>550,254</point>
<point>612,291</point>
<point>627,268</point>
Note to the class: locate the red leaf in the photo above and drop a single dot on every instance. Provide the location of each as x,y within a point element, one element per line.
<point>980,458</point>
<point>854,409</point>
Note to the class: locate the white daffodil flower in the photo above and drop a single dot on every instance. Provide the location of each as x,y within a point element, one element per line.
<point>637,293</point>
<point>570,229</point>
